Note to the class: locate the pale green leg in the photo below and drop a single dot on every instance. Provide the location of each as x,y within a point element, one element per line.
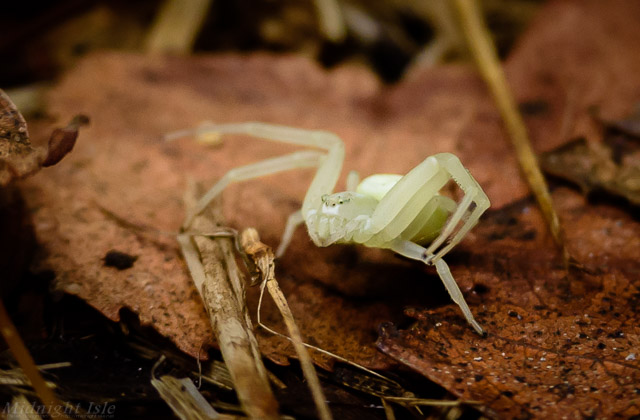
<point>417,252</point>
<point>295,219</point>
<point>471,221</point>
<point>329,166</point>
<point>296,160</point>
<point>456,294</point>
<point>353,179</point>
<point>473,194</point>
<point>400,206</point>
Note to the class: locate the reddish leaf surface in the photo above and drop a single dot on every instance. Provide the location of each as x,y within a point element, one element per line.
<point>558,346</point>
<point>577,56</point>
<point>124,169</point>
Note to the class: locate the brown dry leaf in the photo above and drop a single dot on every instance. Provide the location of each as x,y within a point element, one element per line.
<point>629,126</point>
<point>593,167</point>
<point>62,140</point>
<point>17,157</point>
<point>123,169</point>
<point>558,346</point>
<point>577,55</point>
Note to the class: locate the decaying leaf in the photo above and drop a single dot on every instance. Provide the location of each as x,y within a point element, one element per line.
<point>558,345</point>
<point>18,157</point>
<point>629,125</point>
<point>125,169</point>
<point>593,168</point>
<point>570,61</point>
<point>62,140</point>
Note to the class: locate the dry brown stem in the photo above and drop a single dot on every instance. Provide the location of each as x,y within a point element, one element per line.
<point>184,398</point>
<point>24,359</point>
<point>488,63</point>
<point>216,274</point>
<point>262,257</point>
<point>176,26</point>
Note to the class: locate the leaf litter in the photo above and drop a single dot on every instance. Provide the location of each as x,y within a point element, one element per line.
<point>611,166</point>
<point>19,158</point>
<point>339,295</point>
<point>558,344</point>
<point>124,176</point>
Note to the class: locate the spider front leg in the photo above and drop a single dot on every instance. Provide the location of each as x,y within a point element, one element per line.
<point>295,219</point>
<point>473,194</point>
<point>399,208</point>
<point>353,179</point>
<point>329,164</point>
<point>305,159</point>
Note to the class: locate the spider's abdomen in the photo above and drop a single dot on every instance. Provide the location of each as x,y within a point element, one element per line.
<point>377,186</point>
<point>430,221</point>
<point>426,224</point>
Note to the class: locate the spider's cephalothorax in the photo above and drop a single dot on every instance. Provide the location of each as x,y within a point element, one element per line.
<point>403,213</point>
<point>340,217</point>
<point>345,217</point>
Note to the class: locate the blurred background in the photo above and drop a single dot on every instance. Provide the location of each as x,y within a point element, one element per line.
<point>41,39</point>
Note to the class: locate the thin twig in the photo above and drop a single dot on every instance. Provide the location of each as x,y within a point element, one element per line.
<point>262,256</point>
<point>213,268</point>
<point>260,263</point>
<point>176,26</point>
<point>330,19</point>
<point>182,396</point>
<point>388,409</point>
<point>486,58</point>
<point>24,359</point>
<point>410,401</point>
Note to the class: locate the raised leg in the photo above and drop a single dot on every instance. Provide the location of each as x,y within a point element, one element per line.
<point>295,219</point>
<point>473,194</point>
<point>273,132</point>
<point>417,252</point>
<point>308,158</point>
<point>329,169</point>
<point>402,204</point>
<point>353,179</point>
<point>469,223</point>
<point>428,224</point>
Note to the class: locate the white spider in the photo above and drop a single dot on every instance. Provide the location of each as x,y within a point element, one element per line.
<point>401,213</point>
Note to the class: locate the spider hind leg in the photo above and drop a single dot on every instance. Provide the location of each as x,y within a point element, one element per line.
<point>417,252</point>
